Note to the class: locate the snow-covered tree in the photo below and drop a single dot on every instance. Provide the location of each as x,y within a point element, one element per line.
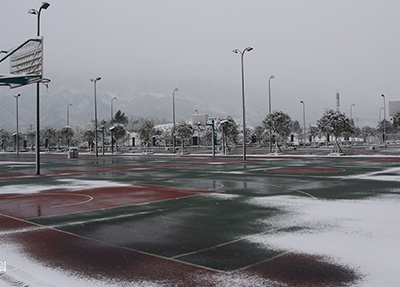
<point>146,132</point>
<point>229,127</point>
<point>279,123</point>
<point>336,123</point>
<point>185,131</point>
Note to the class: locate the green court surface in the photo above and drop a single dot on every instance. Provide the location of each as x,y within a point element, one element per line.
<point>218,229</point>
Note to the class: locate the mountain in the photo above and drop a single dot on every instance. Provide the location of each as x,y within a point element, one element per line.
<point>136,98</point>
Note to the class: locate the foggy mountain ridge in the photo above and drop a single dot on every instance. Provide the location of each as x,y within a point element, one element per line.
<point>152,99</point>
<point>134,98</point>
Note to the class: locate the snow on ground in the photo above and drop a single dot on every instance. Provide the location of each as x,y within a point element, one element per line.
<point>390,174</point>
<point>362,234</point>
<point>68,184</point>
<point>21,271</point>
<point>17,163</point>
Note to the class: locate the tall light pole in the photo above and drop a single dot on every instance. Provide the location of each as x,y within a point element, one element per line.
<point>384,121</point>
<point>237,51</point>
<point>380,115</point>
<point>68,114</point>
<point>112,113</point>
<point>270,107</point>
<point>351,113</point>
<point>173,117</point>
<point>269,93</point>
<point>351,118</point>
<point>17,134</point>
<point>304,121</point>
<point>95,112</point>
<point>44,5</point>
<point>112,128</point>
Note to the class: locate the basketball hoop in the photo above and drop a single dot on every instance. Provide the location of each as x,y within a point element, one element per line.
<point>46,82</point>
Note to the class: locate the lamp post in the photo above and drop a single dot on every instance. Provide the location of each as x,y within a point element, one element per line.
<point>68,114</point>
<point>17,134</point>
<point>112,113</point>
<point>304,121</point>
<point>384,121</point>
<point>380,115</point>
<point>351,113</point>
<point>112,128</point>
<point>351,118</point>
<point>269,92</point>
<point>95,112</point>
<point>44,5</point>
<point>269,107</point>
<point>237,51</point>
<point>173,116</point>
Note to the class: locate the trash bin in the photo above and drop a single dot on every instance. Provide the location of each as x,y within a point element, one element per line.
<point>73,153</point>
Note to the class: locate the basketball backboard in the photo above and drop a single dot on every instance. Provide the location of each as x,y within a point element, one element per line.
<point>199,119</point>
<point>26,63</point>
<point>394,108</point>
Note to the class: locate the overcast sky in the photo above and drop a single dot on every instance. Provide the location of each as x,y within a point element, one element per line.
<point>311,46</point>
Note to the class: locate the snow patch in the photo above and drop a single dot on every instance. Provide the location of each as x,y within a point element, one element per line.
<point>363,234</point>
<point>68,184</point>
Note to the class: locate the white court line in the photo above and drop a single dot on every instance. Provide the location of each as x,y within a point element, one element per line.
<point>60,205</point>
<point>225,243</point>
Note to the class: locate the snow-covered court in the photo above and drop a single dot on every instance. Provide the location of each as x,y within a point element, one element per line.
<point>200,221</point>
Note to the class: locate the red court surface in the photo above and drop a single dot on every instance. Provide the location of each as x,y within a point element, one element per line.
<point>114,264</point>
<point>63,201</point>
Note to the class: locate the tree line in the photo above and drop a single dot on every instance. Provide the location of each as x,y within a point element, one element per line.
<point>275,128</point>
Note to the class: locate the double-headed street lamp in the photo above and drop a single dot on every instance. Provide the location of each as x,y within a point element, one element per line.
<point>17,134</point>
<point>173,117</point>
<point>44,5</point>
<point>95,112</point>
<point>237,51</point>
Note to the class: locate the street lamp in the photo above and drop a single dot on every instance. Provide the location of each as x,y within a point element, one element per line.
<point>384,121</point>
<point>17,134</point>
<point>351,113</point>
<point>173,116</point>
<point>95,112</point>
<point>269,107</point>
<point>44,5</point>
<point>112,114</point>
<point>351,118</point>
<point>68,114</point>
<point>112,128</point>
<point>237,51</point>
<point>269,93</point>
<point>304,121</point>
